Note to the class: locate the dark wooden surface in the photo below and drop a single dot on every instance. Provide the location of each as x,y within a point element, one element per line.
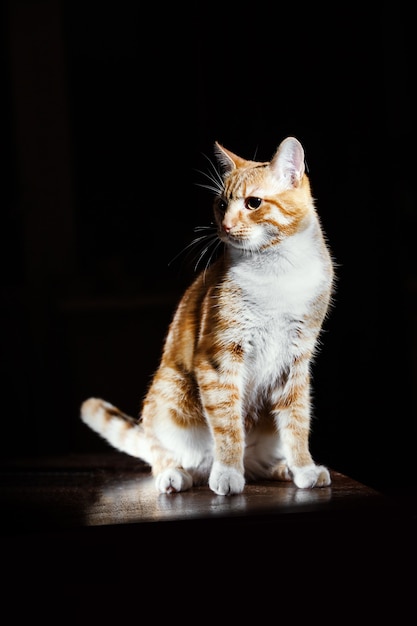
<point>113,489</point>
<point>79,491</point>
<point>96,521</point>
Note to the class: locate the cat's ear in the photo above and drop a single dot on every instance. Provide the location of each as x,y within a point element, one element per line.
<point>288,162</point>
<point>226,159</point>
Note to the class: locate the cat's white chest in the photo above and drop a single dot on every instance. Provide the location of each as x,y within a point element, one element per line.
<point>271,343</point>
<point>270,295</point>
<point>274,308</point>
<point>285,282</point>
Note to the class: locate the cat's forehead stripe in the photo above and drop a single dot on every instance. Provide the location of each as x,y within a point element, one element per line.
<point>242,182</point>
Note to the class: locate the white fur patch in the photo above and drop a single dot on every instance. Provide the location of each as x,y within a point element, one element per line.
<point>311,476</point>
<point>225,480</point>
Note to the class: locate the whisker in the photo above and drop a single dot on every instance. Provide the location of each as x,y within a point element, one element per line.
<point>213,252</point>
<point>215,172</point>
<point>211,227</point>
<point>215,190</point>
<point>213,240</point>
<point>207,243</point>
<point>214,176</point>
<point>201,245</point>
<point>188,247</point>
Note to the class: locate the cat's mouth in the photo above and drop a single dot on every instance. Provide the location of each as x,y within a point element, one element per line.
<point>239,242</point>
<point>246,240</point>
<point>232,238</point>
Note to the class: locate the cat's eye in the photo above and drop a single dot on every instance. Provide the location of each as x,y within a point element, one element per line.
<point>252,203</point>
<point>222,205</point>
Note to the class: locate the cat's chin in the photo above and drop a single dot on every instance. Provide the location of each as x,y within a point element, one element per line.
<point>256,243</point>
<point>245,248</point>
<point>244,245</point>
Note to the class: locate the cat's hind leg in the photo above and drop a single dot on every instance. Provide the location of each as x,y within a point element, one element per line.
<point>281,472</point>
<point>171,477</point>
<point>294,456</point>
<point>311,476</point>
<point>180,461</point>
<point>305,477</point>
<point>173,480</point>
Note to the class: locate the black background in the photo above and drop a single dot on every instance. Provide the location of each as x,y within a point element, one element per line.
<point>110,113</point>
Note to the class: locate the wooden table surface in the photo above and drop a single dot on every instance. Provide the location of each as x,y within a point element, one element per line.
<point>78,491</point>
<point>79,523</point>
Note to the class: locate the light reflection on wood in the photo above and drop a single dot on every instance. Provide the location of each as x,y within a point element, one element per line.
<point>133,500</point>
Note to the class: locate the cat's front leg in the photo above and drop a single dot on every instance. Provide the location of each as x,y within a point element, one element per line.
<point>225,480</point>
<point>220,391</point>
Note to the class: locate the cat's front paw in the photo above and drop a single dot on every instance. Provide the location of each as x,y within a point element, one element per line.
<point>311,476</point>
<point>225,480</point>
<point>173,480</point>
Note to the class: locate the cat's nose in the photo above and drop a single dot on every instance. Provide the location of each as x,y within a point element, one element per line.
<point>227,226</point>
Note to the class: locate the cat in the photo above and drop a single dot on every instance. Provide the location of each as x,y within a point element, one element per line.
<point>230,400</point>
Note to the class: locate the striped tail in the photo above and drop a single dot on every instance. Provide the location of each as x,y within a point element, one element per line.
<point>121,431</point>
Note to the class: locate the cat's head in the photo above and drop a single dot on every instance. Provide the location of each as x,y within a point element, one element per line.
<point>258,205</point>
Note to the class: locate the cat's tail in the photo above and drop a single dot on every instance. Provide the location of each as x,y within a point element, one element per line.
<point>121,431</point>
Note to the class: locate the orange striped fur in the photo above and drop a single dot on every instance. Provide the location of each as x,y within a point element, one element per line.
<point>230,400</point>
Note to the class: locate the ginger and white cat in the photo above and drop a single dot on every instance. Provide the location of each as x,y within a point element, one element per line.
<point>230,400</point>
